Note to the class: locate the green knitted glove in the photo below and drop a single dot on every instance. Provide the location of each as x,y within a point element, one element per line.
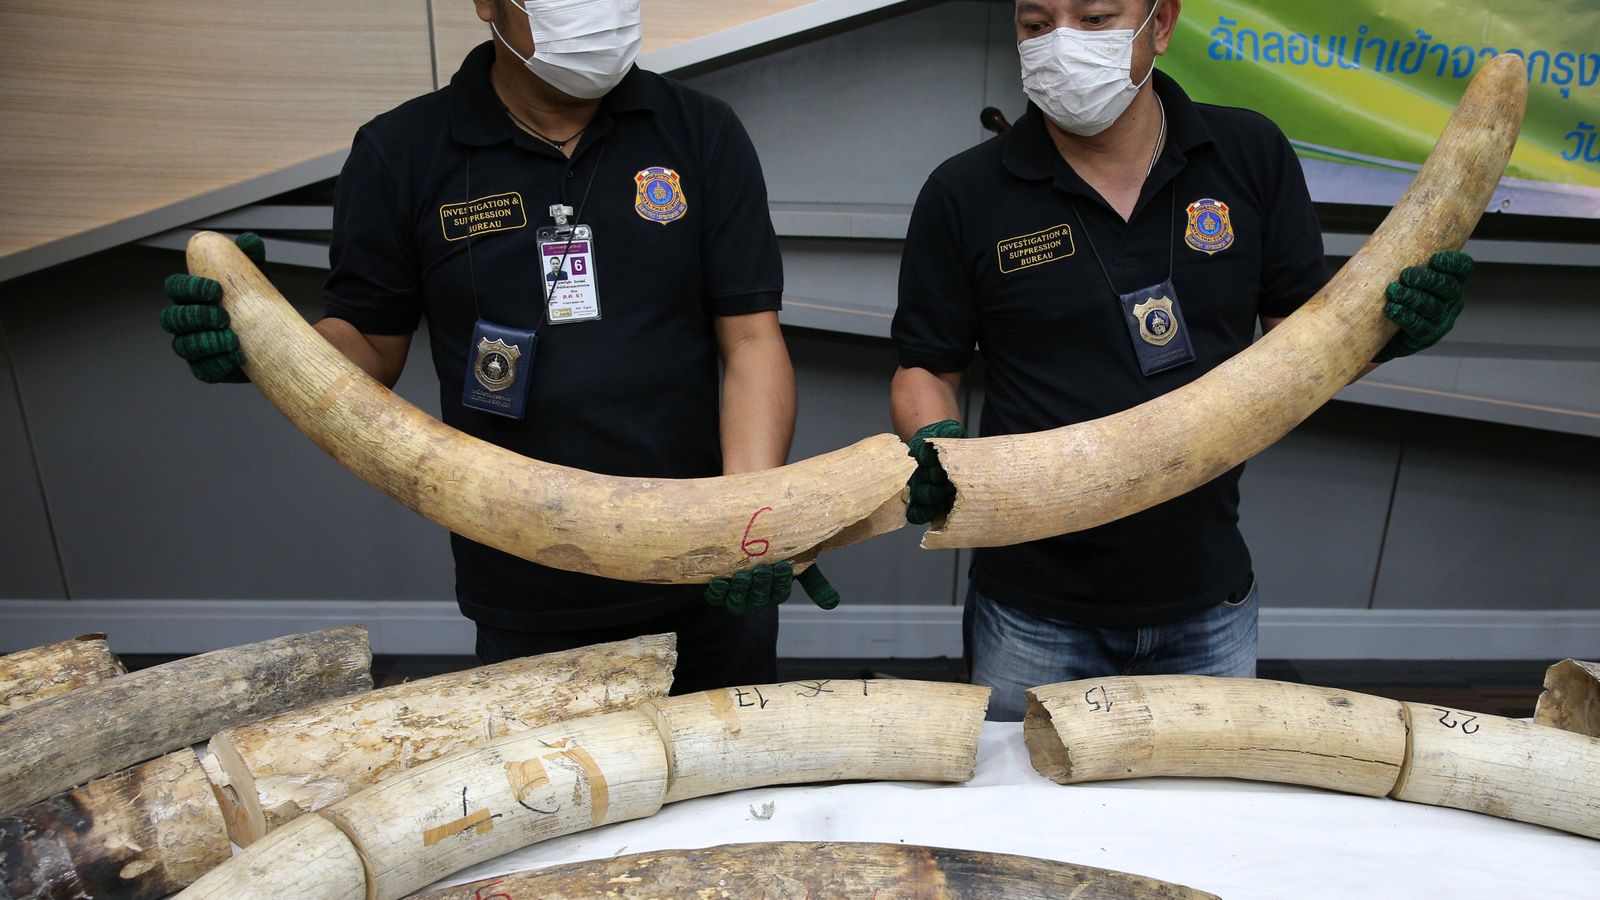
<point>768,585</point>
<point>818,589</point>
<point>200,328</point>
<point>758,587</point>
<point>1424,303</point>
<point>931,491</point>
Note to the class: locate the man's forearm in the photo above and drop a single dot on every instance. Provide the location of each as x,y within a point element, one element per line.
<point>918,397</point>
<point>381,356</point>
<point>758,405</point>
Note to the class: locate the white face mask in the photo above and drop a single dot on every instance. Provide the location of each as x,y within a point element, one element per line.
<point>1082,80</point>
<point>581,48</point>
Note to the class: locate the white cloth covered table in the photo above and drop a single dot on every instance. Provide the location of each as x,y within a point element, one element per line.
<point>1237,839</point>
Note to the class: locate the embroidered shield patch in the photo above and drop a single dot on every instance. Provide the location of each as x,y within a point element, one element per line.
<point>1210,231</point>
<point>658,195</point>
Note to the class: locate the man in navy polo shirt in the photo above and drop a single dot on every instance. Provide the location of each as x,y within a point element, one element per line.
<point>1119,242</point>
<point>585,240</point>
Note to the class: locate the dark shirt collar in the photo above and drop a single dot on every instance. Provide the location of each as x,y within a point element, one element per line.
<point>478,118</point>
<point>1030,153</point>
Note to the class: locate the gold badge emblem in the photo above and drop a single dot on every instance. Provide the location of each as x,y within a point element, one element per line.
<point>496,367</point>
<point>1210,229</point>
<point>1157,325</point>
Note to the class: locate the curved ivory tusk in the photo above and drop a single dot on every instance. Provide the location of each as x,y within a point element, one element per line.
<point>428,822</point>
<point>1503,767</point>
<point>1571,698</point>
<point>1017,488</point>
<point>802,869</point>
<point>1191,725</point>
<point>829,730</point>
<point>275,770</point>
<point>67,740</point>
<point>40,673</point>
<point>661,530</point>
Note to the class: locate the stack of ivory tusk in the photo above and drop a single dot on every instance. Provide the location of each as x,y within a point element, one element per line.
<point>268,773</point>
<point>425,823</point>
<point>147,828</point>
<point>54,744</point>
<point>1188,725</point>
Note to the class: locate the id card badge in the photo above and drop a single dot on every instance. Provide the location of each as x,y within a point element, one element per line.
<point>499,363</point>
<point>1160,337</point>
<point>566,265</point>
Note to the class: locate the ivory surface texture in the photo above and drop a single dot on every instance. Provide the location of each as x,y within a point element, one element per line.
<point>829,730</point>
<point>307,858</point>
<point>793,870</point>
<point>67,740</point>
<point>436,819</point>
<point>425,823</point>
<point>660,530</point>
<point>40,673</point>
<point>139,834</point>
<point>277,769</point>
<point>1503,767</point>
<point>1100,729</point>
<point>1571,698</point>
<point>1017,488</point>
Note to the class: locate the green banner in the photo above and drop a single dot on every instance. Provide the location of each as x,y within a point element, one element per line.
<point>1363,87</point>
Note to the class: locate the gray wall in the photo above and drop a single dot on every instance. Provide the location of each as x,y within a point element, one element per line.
<point>1450,491</point>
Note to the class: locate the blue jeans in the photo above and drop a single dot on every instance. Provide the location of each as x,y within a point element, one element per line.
<point>1011,651</point>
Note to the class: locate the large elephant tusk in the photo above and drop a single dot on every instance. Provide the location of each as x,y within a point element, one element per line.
<point>1017,488</point>
<point>275,770</point>
<point>1571,697</point>
<point>423,824</point>
<point>1502,767</point>
<point>40,673</point>
<point>661,530</point>
<point>67,740</point>
<point>798,869</point>
<point>1189,725</point>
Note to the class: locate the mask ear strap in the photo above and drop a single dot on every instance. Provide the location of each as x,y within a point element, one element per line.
<point>1147,20</point>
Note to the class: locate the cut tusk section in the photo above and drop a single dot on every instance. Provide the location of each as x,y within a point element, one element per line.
<point>1571,698</point>
<point>1195,726</point>
<point>40,673</point>
<point>308,857</point>
<point>1502,767</point>
<point>827,730</point>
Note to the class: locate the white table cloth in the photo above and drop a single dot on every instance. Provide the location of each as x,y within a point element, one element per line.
<point>1237,839</point>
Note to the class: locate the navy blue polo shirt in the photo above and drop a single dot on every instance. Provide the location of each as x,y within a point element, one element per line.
<point>436,215</point>
<point>998,257</point>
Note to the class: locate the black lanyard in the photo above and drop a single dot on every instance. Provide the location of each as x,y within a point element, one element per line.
<point>1172,240</point>
<point>472,273</point>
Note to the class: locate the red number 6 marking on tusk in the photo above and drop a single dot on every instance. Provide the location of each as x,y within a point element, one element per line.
<point>747,543</point>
